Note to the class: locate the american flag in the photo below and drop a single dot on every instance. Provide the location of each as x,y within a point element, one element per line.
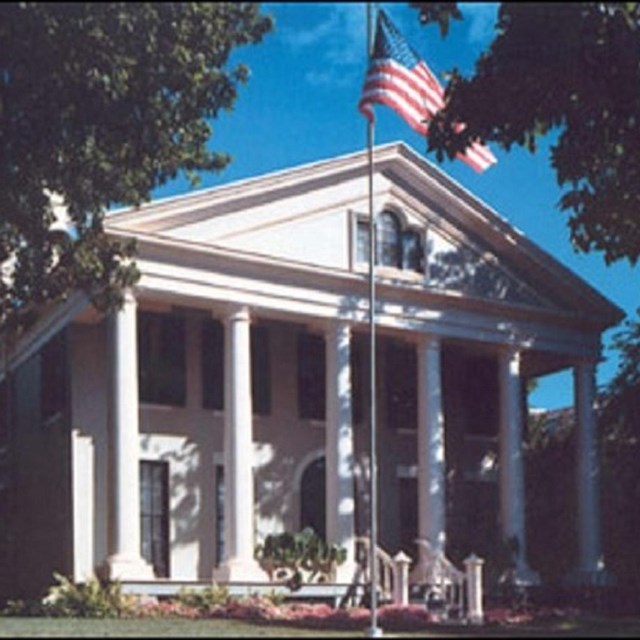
<point>400,79</point>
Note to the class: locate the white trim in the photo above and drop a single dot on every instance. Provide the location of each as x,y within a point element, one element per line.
<point>301,467</point>
<point>434,189</point>
<point>48,326</point>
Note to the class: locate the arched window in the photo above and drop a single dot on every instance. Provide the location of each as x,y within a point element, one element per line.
<point>389,240</point>
<point>397,244</point>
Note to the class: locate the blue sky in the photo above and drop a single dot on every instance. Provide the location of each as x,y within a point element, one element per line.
<point>300,105</point>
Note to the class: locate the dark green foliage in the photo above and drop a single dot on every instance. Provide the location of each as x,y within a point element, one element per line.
<point>298,554</point>
<point>550,487</point>
<point>619,423</point>
<point>100,103</point>
<point>569,67</point>
<point>90,599</point>
<point>551,472</point>
<point>205,599</point>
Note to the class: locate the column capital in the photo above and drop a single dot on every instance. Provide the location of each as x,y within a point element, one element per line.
<point>129,297</point>
<point>336,326</point>
<point>509,350</point>
<point>429,341</point>
<point>586,363</point>
<point>237,313</point>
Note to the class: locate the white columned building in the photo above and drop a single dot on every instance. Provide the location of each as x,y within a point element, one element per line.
<point>512,492</point>
<point>125,561</point>
<point>431,446</point>
<point>588,474</point>
<point>340,500</point>
<point>239,563</point>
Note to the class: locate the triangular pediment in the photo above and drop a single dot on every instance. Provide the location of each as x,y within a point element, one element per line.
<point>309,216</point>
<point>458,267</point>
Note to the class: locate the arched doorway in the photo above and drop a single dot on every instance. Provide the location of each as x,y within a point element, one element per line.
<point>313,508</point>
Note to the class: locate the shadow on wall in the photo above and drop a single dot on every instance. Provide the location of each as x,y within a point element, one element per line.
<point>465,271</point>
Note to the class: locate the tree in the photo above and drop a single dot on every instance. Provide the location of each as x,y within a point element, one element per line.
<point>569,67</point>
<point>99,104</point>
<point>619,426</point>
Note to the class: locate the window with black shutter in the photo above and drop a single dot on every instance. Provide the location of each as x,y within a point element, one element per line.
<point>213,365</point>
<point>220,544</point>
<point>401,385</point>
<point>260,370</point>
<point>162,359</point>
<point>53,378</point>
<point>311,376</point>
<point>154,515</point>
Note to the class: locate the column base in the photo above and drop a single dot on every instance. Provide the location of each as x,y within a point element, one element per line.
<point>237,570</point>
<point>523,576</point>
<point>598,576</point>
<point>346,572</point>
<point>121,567</point>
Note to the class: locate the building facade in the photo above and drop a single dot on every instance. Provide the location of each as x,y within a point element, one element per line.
<point>229,397</point>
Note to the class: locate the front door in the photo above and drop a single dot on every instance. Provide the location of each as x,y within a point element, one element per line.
<point>312,497</point>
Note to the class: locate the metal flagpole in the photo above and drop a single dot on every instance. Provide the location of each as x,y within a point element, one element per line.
<point>373,631</point>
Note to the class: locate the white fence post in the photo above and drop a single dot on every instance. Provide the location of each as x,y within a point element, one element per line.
<point>473,566</point>
<point>401,563</point>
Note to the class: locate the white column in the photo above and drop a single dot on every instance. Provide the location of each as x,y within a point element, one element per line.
<point>340,504</point>
<point>431,457</point>
<point>473,570</point>
<point>239,563</point>
<point>125,563</point>
<point>431,452</point>
<point>512,494</point>
<point>588,472</point>
<point>401,564</point>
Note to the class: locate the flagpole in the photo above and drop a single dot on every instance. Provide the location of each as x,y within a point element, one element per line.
<point>373,631</point>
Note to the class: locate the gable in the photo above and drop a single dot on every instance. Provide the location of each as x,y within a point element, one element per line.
<point>310,216</point>
<point>473,271</point>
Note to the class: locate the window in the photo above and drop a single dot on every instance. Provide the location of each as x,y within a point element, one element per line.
<point>401,370</point>
<point>362,239</point>
<point>396,246</point>
<point>311,376</point>
<point>411,251</point>
<point>154,515</point>
<point>260,373</point>
<point>53,378</point>
<point>4,411</point>
<point>212,365</point>
<point>161,357</point>
<point>408,513</point>
<point>359,378</point>
<point>481,396</point>
<point>388,240</point>
<point>219,513</point>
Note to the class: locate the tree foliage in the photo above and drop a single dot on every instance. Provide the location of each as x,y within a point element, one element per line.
<point>99,104</point>
<point>619,425</point>
<point>569,67</point>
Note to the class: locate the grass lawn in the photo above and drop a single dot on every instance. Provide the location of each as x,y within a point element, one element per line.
<point>76,627</point>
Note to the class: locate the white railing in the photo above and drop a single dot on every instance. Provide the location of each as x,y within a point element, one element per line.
<point>444,585</point>
<point>385,568</point>
<point>449,594</point>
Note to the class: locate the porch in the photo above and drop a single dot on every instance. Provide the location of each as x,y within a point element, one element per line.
<point>452,423</point>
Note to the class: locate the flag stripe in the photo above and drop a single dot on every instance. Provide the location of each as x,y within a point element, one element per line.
<point>399,79</point>
<point>415,119</point>
<point>423,89</point>
<point>392,86</point>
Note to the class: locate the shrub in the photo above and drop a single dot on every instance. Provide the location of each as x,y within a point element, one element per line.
<point>205,599</point>
<point>298,558</point>
<point>90,599</point>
